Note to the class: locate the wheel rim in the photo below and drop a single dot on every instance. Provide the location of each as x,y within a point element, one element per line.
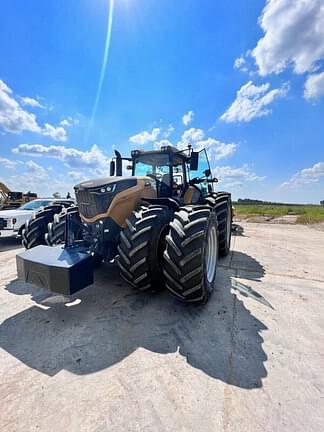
<point>211,254</point>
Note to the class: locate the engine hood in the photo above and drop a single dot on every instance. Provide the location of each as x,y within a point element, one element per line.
<point>94,198</point>
<point>97,183</point>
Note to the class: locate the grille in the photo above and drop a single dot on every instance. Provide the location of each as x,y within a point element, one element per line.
<point>92,202</point>
<point>3,223</point>
<point>89,204</point>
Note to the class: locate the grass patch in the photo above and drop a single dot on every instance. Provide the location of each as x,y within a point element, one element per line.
<point>306,214</point>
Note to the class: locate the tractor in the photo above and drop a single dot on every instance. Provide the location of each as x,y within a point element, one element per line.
<point>164,225</point>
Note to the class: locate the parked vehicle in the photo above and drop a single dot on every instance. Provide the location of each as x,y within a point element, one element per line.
<point>14,220</point>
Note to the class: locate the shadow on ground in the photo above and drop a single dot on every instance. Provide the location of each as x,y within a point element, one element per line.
<point>222,338</point>
<point>8,243</point>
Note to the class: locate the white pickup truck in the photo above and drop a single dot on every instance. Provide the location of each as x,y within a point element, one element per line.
<point>14,220</point>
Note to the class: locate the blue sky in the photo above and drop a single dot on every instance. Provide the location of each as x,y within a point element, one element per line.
<point>244,79</point>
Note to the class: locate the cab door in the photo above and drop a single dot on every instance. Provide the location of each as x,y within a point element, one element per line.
<point>194,193</point>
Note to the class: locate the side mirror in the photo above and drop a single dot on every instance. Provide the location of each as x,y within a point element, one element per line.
<point>194,161</point>
<point>207,172</point>
<point>112,168</point>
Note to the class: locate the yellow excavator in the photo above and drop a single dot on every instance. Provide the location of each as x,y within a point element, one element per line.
<point>11,200</point>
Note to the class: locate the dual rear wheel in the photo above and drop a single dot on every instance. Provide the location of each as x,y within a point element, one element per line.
<point>178,250</point>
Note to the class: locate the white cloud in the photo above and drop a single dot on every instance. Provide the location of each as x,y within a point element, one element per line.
<point>314,86</point>
<point>35,178</point>
<point>72,157</point>
<point>41,180</point>
<point>188,117</point>
<point>306,176</point>
<point>241,64</point>
<point>293,36</point>
<point>15,119</point>
<point>65,122</point>
<point>253,101</point>
<point>4,87</point>
<point>57,133</point>
<point>233,177</point>
<point>35,169</point>
<point>216,150</point>
<point>31,102</point>
<point>168,131</point>
<point>315,172</point>
<point>8,163</point>
<point>145,137</point>
<point>69,121</point>
<point>190,136</point>
<point>76,175</point>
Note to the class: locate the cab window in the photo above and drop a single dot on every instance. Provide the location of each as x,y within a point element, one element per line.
<point>202,172</point>
<point>156,165</point>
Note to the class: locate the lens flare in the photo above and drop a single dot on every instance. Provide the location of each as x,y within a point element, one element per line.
<point>104,64</point>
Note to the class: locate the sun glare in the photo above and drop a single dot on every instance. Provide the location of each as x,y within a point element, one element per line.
<point>104,63</point>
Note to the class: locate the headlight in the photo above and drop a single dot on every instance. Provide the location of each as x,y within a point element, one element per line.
<point>11,222</point>
<point>104,189</point>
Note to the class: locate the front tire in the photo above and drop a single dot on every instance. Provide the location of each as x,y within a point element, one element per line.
<point>36,228</point>
<point>141,247</point>
<point>191,254</point>
<point>56,229</point>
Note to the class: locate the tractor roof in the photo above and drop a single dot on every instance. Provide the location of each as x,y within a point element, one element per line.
<point>178,154</point>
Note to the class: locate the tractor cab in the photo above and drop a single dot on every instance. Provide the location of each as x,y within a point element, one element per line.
<point>178,174</point>
<point>168,167</point>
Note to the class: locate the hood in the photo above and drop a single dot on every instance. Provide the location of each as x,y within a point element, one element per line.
<point>15,213</point>
<point>100,182</point>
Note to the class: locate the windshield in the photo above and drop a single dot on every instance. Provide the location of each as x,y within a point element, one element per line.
<point>157,165</point>
<point>33,205</point>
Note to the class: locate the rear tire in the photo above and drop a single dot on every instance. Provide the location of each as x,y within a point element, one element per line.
<point>222,204</point>
<point>36,228</point>
<point>141,247</point>
<point>191,254</point>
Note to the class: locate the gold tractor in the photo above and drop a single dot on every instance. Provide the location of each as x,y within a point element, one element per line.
<point>164,225</point>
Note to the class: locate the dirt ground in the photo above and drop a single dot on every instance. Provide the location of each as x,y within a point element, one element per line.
<point>115,360</point>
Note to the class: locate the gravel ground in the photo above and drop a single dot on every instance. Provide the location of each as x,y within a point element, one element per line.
<point>114,360</point>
